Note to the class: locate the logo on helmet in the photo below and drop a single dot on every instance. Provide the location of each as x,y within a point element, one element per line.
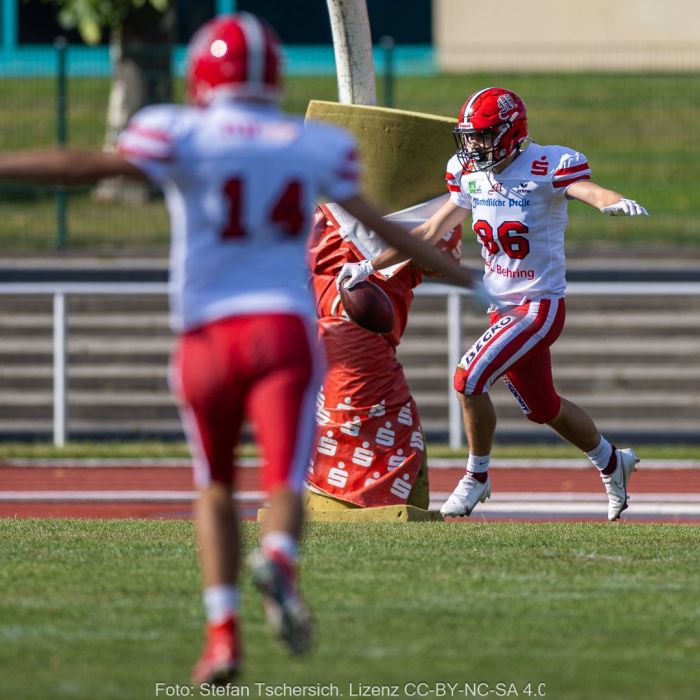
<point>505,104</point>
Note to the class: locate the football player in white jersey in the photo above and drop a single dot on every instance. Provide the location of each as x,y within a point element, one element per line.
<point>517,193</point>
<point>240,180</point>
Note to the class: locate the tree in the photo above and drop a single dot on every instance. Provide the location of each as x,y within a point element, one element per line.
<point>141,35</point>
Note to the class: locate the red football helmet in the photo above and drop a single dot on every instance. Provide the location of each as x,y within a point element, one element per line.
<point>235,55</point>
<point>491,126</point>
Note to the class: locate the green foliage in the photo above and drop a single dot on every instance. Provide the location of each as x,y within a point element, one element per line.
<point>91,17</point>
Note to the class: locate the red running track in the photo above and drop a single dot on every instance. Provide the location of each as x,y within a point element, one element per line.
<point>166,492</point>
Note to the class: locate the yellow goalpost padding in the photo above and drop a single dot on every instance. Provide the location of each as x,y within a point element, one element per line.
<point>403,153</point>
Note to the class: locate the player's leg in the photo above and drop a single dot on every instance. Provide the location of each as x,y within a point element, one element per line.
<point>281,405</point>
<point>479,418</point>
<point>211,395</point>
<point>575,426</point>
<point>615,465</point>
<point>509,339</point>
<point>532,384</point>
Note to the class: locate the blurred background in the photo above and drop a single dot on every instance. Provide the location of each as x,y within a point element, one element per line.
<point>618,81</point>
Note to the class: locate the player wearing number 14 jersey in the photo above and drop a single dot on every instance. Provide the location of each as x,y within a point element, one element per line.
<point>240,180</point>
<point>517,192</point>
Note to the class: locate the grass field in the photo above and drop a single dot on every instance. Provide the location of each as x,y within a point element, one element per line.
<point>636,130</point>
<point>107,609</point>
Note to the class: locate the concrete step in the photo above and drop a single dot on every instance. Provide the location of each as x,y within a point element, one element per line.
<point>621,431</point>
<point>515,430</point>
<point>99,303</point>
<point>154,378</point>
<point>105,378</point>
<point>632,362</point>
<point>668,407</point>
<point>655,321</point>
<point>423,353</point>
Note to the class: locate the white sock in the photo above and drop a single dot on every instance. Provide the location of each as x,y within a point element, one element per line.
<point>220,602</point>
<point>477,464</point>
<point>601,455</point>
<point>281,542</point>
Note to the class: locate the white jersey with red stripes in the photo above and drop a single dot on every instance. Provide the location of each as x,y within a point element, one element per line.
<point>520,215</point>
<point>240,182</point>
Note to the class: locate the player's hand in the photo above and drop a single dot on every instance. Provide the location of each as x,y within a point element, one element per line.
<point>352,273</point>
<point>625,207</point>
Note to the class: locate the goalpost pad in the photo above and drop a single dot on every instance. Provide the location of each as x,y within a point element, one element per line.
<point>404,154</point>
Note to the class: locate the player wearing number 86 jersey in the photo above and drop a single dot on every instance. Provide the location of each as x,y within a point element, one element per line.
<point>517,192</point>
<point>519,215</point>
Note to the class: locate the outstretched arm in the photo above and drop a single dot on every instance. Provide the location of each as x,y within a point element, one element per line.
<point>411,246</point>
<point>605,200</point>
<point>65,166</point>
<point>445,219</point>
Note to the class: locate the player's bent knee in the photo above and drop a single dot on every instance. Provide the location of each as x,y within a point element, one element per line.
<point>461,383</point>
<point>545,413</point>
<point>471,381</point>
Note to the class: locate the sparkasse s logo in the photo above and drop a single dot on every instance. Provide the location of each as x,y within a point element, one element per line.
<point>540,167</point>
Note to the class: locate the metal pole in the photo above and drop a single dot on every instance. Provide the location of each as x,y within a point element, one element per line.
<point>352,45</point>
<point>224,7</point>
<point>61,138</point>
<point>60,411</point>
<point>9,27</point>
<point>454,353</point>
<point>388,44</point>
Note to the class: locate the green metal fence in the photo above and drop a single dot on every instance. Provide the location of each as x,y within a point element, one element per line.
<point>638,131</point>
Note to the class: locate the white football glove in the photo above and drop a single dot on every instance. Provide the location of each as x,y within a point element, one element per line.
<point>354,273</point>
<point>625,207</point>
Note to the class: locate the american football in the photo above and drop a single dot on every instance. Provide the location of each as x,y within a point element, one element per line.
<point>368,306</point>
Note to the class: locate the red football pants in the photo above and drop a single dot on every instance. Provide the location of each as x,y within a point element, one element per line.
<point>264,367</point>
<point>516,347</point>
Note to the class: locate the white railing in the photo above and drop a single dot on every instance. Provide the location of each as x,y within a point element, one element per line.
<point>60,290</point>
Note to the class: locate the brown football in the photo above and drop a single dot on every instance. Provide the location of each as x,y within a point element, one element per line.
<point>368,306</point>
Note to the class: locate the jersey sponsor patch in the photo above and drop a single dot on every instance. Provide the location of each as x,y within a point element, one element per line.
<point>474,350</point>
<point>540,167</point>
<point>521,402</point>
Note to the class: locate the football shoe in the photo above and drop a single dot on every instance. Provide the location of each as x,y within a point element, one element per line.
<point>616,483</point>
<point>466,495</point>
<point>274,575</point>
<point>220,660</point>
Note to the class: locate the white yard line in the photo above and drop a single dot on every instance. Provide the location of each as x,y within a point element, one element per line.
<point>645,464</point>
<point>251,463</point>
<point>114,496</point>
<point>525,508</point>
<point>575,497</point>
